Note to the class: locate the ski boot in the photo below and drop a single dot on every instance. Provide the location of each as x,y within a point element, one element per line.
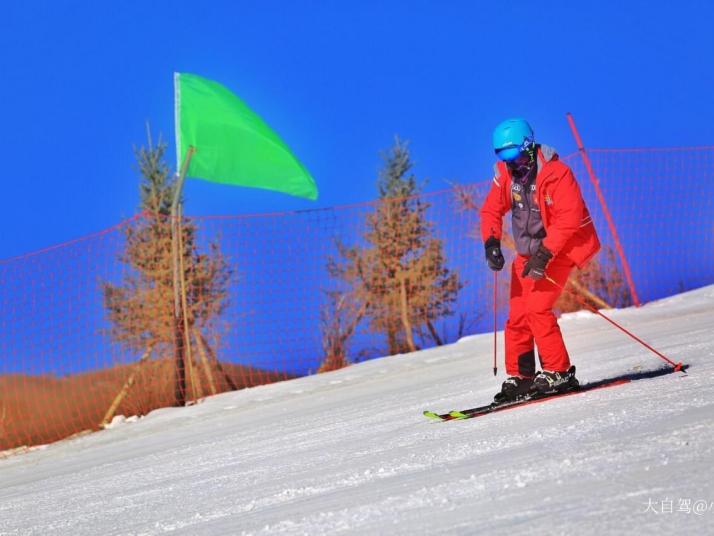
<point>547,382</point>
<point>514,388</point>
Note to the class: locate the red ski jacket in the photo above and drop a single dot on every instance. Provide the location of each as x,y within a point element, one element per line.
<point>568,225</point>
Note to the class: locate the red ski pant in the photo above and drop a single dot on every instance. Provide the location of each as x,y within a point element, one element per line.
<point>531,319</point>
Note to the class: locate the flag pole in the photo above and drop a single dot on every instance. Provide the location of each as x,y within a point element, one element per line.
<point>181,179</point>
<point>180,370</point>
<point>188,355</point>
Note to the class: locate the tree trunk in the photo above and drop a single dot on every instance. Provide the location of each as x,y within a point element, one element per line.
<point>392,342</point>
<point>434,334</point>
<point>405,314</point>
<point>179,369</point>
<point>204,360</point>
<point>226,377</point>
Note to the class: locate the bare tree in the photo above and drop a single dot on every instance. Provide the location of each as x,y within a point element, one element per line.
<point>339,319</point>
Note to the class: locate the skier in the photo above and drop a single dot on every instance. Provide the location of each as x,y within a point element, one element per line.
<point>553,232</point>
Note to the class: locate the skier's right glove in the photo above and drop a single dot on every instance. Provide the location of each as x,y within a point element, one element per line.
<point>494,257</point>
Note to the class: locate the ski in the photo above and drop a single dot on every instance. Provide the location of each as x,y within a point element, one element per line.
<point>494,407</point>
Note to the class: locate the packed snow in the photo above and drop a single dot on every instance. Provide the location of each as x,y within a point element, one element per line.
<point>351,452</point>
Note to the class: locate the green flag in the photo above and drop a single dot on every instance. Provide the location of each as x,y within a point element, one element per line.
<point>233,145</point>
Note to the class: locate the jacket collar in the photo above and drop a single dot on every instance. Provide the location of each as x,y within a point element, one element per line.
<point>546,154</point>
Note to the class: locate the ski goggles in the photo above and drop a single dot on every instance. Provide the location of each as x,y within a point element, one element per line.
<point>512,152</point>
<point>508,154</point>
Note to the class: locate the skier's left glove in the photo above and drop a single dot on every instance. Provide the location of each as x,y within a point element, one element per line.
<point>535,266</point>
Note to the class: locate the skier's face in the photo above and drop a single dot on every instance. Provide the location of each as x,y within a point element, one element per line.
<point>521,165</point>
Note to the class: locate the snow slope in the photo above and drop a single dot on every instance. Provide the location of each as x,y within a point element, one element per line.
<point>349,451</point>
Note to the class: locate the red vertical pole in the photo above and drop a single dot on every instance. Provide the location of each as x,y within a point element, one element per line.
<point>606,211</point>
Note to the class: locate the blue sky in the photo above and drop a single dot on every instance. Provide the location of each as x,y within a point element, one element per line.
<point>337,81</point>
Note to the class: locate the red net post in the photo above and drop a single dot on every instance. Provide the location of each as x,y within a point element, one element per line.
<point>606,211</point>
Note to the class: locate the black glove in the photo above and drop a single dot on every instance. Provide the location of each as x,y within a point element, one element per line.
<point>535,267</point>
<point>494,257</point>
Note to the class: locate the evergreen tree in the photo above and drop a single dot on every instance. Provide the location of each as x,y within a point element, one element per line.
<point>141,307</point>
<point>399,276</point>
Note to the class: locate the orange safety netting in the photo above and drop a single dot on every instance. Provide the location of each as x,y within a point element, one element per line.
<point>88,328</point>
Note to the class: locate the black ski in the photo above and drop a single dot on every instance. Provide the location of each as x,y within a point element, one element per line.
<point>531,399</point>
<point>534,399</point>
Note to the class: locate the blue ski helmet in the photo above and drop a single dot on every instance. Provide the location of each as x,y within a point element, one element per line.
<point>511,138</point>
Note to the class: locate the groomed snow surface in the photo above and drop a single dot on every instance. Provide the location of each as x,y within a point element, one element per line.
<point>350,451</point>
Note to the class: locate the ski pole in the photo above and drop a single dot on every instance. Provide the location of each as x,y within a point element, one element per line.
<point>495,321</point>
<point>677,366</point>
